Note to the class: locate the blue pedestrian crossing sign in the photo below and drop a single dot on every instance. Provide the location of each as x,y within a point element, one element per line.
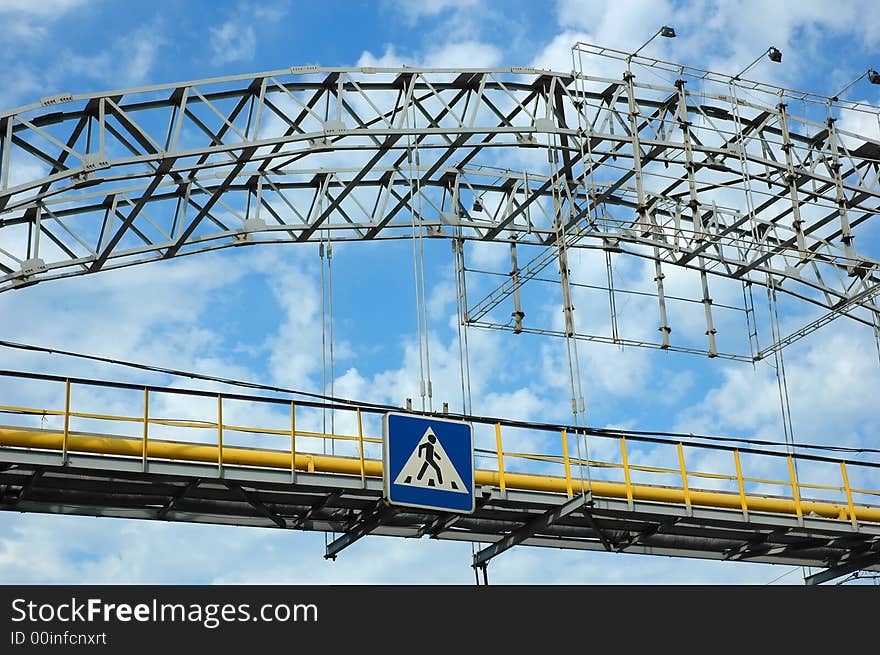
<point>429,463</point>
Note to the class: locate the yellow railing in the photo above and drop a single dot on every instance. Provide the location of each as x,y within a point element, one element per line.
<point>551,471</point>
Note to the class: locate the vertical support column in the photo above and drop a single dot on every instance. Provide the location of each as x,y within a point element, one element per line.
<point>500,449</point>
<point>460,274</point>
<point>66,422</point>
<point>694,205</point>
<point>258,120</point>
<point>220,434</point>
<point>612,302</point>
<point>751,321</point>
<point>849,498</point>
<point>707,305</point>
<point>102,126</point>
<point>292,443</point>
<point>633,112</point>
<point>684,125</point>
<point>566,460</point>
<point>791,179</point>
<point>518,314</point>
<point>661,300</point>
<point>361,448</point>
<point>742,488</point>
<point>146,427</point>
<point>795,490</point>
<point>684,478</point>
<point>6,154</point>
<point>845,231</point>
<point>646,218</point>
<point>38,217</point>
<point>626,476</point>
<point>565,279</point>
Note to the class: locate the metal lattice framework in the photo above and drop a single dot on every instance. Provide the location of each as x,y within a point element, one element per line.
<point>716,175</point>
<point>727,183</point>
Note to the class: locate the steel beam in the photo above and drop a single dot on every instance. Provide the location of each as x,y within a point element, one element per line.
<point>314,509</point>
<point>257,504</point>
<point>536,525</point>
<point>856,563</point>
<point>460,122</point>
<point>176,498</point>
<point>29,485</point>
<point>368,521</point>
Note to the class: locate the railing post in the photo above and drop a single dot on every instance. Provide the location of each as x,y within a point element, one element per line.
<point>629,489</point>
<point>501,483</point>
<point>684,477</point>
<point>146,426</point>
<point>361,445</point>
<point>742,488</point>
<point>567,461</point>
<point>795,490</point>
<point>848,489</point>
<point>220,434</point>
<point>66,422</point>
<point>292,443</point>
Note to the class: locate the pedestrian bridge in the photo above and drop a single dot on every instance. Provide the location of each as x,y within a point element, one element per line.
<point>99,448</point>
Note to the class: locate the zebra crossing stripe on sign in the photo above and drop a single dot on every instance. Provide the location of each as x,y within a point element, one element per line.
<point>429,467</point>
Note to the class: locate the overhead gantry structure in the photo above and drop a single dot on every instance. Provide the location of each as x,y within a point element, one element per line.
<point>647,494</point>
<point>695,173</point>
<point>718,176</point>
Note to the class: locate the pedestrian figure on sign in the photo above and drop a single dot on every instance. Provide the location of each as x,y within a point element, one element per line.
<point>431,457</point>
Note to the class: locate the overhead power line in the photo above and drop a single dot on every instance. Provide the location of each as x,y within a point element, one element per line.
<point>647,436</point>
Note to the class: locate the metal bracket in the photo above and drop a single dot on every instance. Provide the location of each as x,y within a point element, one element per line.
<point>762,549</point>
<point>446,520</point>
<point>643,534</point>
<point>753,547</point>
<point>314,509</point>
<point>369,520</point>
<point>30,484</point>
<point>257,504</point>
<point>844,566</point>
<point>176,498</point>
<point>438,525</point>
<point>594,525</point>
<point>537,524</point>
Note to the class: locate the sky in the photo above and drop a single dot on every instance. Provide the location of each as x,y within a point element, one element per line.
<point>255,313</point>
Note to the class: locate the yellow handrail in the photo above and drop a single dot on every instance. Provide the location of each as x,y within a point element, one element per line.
<point>232,456</point>
<point>225,454</point>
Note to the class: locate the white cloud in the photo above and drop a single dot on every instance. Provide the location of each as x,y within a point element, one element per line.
<point>234,40</point>
<point>177,314</point>
<point>128,60</point>
<point>726,36</point>
<point>831,381</point>
<point>455,54</point>
<point>70,550</point>
<point>43,8</point>
<point>425,8</point>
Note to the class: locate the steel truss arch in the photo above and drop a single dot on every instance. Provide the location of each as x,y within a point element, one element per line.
<point>722,183</point>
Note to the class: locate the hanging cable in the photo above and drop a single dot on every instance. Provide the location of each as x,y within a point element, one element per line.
<point>748,298</point>
<point>332,360</point>
<point>418,164</point>
<point>323,339</point>
<point>593,216</point>
<point>647,436</point>
<point>875,319</point>
<point>461,310</point>
<point>577,398</point>
<point>779,366</point>
<point>415,255</point>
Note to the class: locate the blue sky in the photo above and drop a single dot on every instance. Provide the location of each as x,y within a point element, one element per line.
<point>255,313</point>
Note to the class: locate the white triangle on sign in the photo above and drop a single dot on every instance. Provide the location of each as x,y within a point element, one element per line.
<point>429,467</point>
